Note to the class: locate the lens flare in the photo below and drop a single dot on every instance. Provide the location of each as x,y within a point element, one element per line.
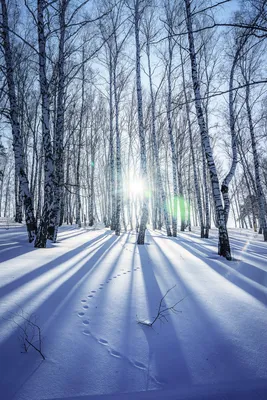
<point>136,187</point>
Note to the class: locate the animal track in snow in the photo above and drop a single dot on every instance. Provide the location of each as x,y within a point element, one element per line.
<point>81,314</point>
<point>156,379</point>
<point>115,353</point>
<point>103,341</point>
<point>137,364</point>
<point>118,355</point>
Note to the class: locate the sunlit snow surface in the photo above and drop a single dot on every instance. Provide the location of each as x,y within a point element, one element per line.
<point>90,289</point>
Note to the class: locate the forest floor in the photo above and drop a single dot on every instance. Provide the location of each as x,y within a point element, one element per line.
<point>91,288</point>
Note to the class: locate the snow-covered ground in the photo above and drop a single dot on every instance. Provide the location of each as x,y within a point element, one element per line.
<point>90,289</point>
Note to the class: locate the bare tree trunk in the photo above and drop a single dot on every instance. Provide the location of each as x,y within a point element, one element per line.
<point>67,194</point>
<point>47,217</point>
<point>229,176</point>
<point>224,244</point>
<point>206,193</point>
<point>18,201</point>
<point>189,198</point>
<point>260,193</point>
<point>91,196</point>
<point>118,153</point>
<point>2,177</point>
<point>196,181</point>
<point>170,132</point>
<point>59,128</point>
<point>111,148</point>
<point>17,139</point>
<point>246,175</point>
<point>39,185</point>
<point>129,204</point>
<point>7,195</point>
<point>159,184</point>
<point>78,189</point>
<point>144,215</point>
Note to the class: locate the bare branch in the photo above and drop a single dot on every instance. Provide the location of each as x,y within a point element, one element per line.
<point>29,330</point>
<point>163,312</point>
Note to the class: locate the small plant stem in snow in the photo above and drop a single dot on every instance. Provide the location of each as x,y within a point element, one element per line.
<point>162,312</point>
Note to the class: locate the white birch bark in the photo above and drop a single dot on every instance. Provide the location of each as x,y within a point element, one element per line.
<point>118,153</point>
<point>260,193</point>
<point>247,175</point>
<point>43,229</point>
<point>144,212</point>
<point>78,167</point>
<point>230,175</point>
<point>130,150</point>
<point>155,145</point>
<point>170,133</point>
<point>17,138</point>
<point>59,128</point>
<point>224,244</point>
<point>92,176</point>
<point>196,180</point>
<point>111,147</point>
<point>18,200</point>
<point>206,193</point>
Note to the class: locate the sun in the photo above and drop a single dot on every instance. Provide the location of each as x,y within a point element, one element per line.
<point>136,187</point>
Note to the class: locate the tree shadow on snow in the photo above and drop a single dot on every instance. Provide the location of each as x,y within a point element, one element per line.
<point>14,243</point>
<point>233,271</point>
<point>205,341</point>
<point>55,263</point>
<point>165,353</point>
<point>47,311</point>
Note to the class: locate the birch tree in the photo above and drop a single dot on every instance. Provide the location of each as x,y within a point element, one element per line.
<point>232,122</point>
<point>16,133</point>
<point>138,8</point>
<point>150,34</point>
<point>224,244</point>
<point>47,219</point>
<point>196,178</point>
<point>247,69</point>
<point>170,18</point>
<point>59,124</point>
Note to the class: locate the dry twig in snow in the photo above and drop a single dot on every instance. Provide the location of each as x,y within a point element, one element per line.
<point>30,331</point>
<point>163,310</point>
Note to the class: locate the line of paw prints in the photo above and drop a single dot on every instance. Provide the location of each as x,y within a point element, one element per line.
<point>101,286</point>
<point>135,250</point>
<point>104,342</point>
<point>116,354</point>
